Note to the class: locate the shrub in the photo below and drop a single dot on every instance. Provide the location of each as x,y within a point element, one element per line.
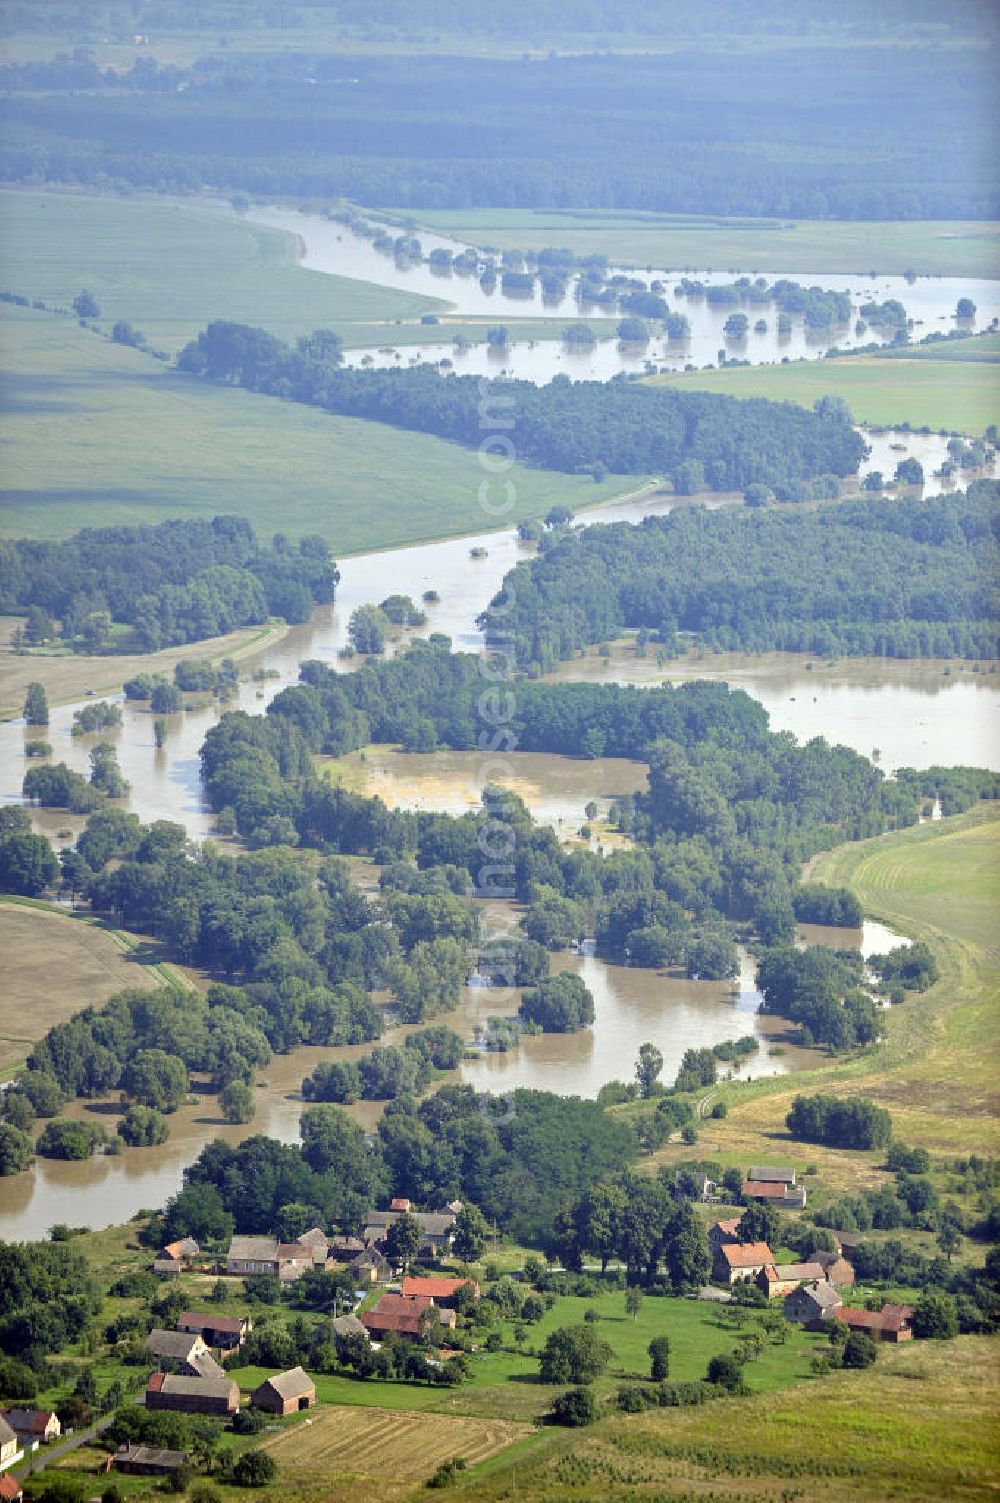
<point>574,1354</point>
<point>575,1408</point>
<point>935,1315</point>
<point>447,1472</point>
<point>254,1469</point>
<point>725,1372</point>
<point>859,1350</point>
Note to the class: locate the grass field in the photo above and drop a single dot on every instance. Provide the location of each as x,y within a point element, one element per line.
<point>54,966</point>
<point>170,268</point>
<point>979,348</point>
<point>937,1068</point>
<point>931,248</point>
<point>97,434</point>
<point>506,1383</point>
<point>67,676</point>
<point>960,395</point>
<point>920,1427</point>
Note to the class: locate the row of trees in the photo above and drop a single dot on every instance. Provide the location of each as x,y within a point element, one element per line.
<point>519,1158</point>
<point>594,426</point>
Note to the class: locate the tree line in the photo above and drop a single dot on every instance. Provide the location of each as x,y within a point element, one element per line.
<point>863,577</point>
<point>180,581</point>
<point>556,132</point>
<point>618,427</point>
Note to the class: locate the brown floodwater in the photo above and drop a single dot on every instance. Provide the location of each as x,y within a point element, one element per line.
<point>556,789</point>
<point>915,713</point>
<point>633,1006</point>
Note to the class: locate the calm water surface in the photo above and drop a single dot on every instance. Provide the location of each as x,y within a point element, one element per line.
<point>334,248</point>
<point>633,1006</point>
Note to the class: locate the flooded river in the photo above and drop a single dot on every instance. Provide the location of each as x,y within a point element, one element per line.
<point>633,1006</point>
<point>914,713</point>
<point>336,249</point>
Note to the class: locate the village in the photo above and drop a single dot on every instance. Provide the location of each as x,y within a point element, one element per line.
<point>401,1306</point>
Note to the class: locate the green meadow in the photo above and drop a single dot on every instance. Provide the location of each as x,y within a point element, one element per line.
<point>961,395</point>
<point>919,1427</point>
<point>677,241</point>
<point>506,1383</point>
<point>169,268</point>
<point>97,434</point>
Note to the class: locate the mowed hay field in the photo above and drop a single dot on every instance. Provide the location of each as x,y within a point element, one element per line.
<point>99,435</point>
<point>53,966</point>
<point>919,1427</point>
<point>681,241</point>
<point>961,395</point>
<point>341,1453</point>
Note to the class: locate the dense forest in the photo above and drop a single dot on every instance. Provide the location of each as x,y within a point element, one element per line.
<point>863,577</point>
<point>808,130</point>
<point>617,426</point>
<point>181,581</point>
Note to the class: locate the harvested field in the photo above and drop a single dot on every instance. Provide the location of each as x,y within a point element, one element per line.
<point>381,1453</point>
<point>53,966</point>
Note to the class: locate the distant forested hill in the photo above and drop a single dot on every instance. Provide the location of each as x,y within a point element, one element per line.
<point>913,579</point>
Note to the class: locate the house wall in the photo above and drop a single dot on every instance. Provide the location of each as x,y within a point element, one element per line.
<point>190,1404</point>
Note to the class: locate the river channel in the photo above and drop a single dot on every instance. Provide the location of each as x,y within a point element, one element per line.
<point>334,248</point>
<point>632,1006</point>
<point>913,713</point>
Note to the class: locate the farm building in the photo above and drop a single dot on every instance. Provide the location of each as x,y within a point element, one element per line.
<point>342,1248</point>
<point>147,1461</point>
<point>183,1352</point>
<point>774,1174</point>
<point>891,1323</point>
<point>348,1325</point>
<point>316,1239</point>
<point>11,1490</point>
<point>370,1267</point>
<point>441,1291</point>
<point>285,1393</point>
<point>192,1395</point>
<point>779,1279</point>
<point>789,1197</point>
<point>437,1227</point>
<point>836,1268</point>
<point>10,1446</point>
<point>224,1331</point>
<point>179,1252</point>
<point>723,1231</point>
<point>282,1260</point>
<point>33,1425</point>
<point>252,1255</point>
<point>812,1304</point>
<point>403,1314</point>
<point>734,1261</point>
<point>175,1256</point>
